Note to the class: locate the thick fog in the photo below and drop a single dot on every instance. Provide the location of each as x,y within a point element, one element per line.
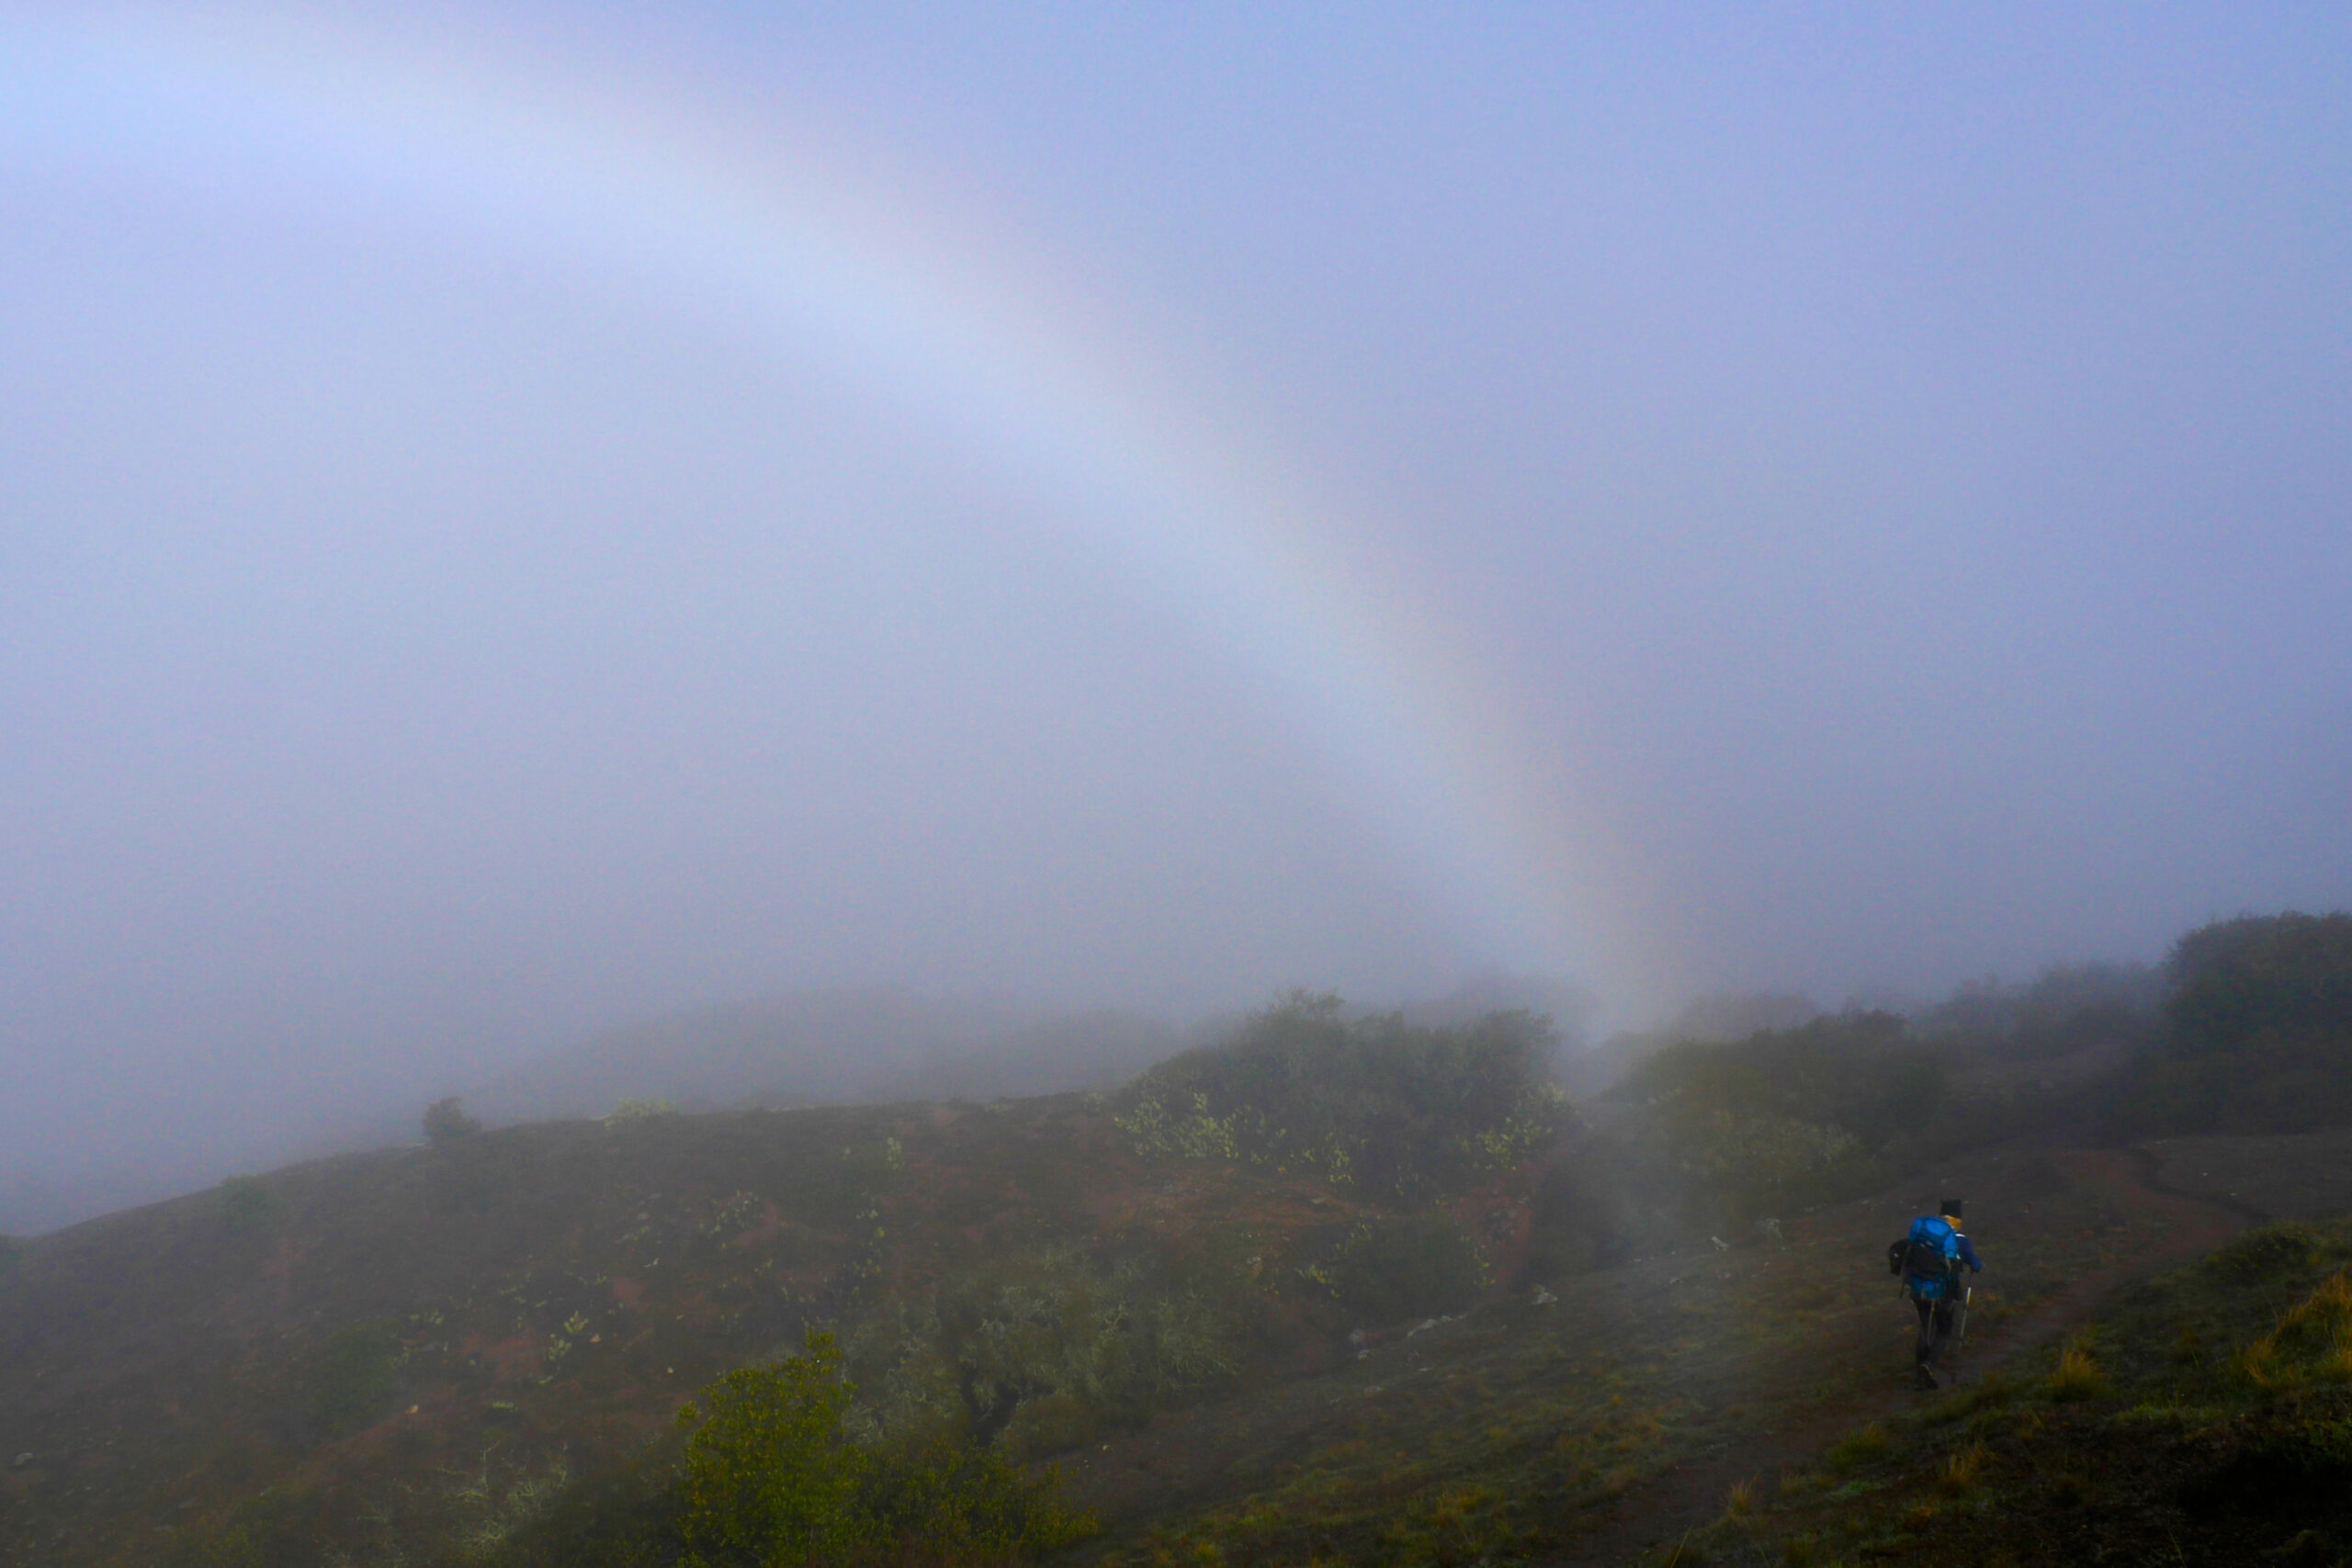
<point>515,523</point>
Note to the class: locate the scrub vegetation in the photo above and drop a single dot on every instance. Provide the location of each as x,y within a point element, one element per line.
<point>1344,1288</point>
<point>2205,1418</point>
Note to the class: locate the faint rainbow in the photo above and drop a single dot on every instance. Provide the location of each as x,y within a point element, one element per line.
<point>603,165</point>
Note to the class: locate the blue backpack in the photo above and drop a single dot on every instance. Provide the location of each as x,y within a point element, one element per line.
<point>1929,1255</point>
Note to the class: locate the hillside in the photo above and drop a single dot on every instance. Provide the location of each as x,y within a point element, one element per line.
<point>828,1047</point>
<point>1349,1288</point>
<point>411,1354</point>
<point>2204,1416</point>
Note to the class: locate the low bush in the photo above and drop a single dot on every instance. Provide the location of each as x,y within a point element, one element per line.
<point>1407,1268</point>
<point>2258,1031</point>
<point>1401,1111</point>
<point>770,1477</point>
<point>1038,1351</point>
<point>1778,1121</point>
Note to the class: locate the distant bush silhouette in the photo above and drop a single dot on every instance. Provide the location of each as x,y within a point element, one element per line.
<point>12,1252</point>
<point>1778,1122</point>
<point>249,1203</point>
<point>1397,1109</point>
<point>2066,1008</point>
<point>2259,1029</point>
<point>2259,981</point>
<point>446,1123</point>
<point>771,1478</point>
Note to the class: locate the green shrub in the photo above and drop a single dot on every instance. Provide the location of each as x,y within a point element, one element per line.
<point>960,1502</point>
<point>769,1478</point>
<point>2258,1031</point>
<point>1778,1121</point>
<point>1037,1349</point>
<point>1398,1110</point>
<point>1407,1267</point>
<point>772,1478</point>
<point>1858,1071</point>
<point>2260,981</point>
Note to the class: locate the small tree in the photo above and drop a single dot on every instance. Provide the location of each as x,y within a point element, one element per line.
<point>446,1123</point>
<point>769,1478</point>
<point>771,1481</point>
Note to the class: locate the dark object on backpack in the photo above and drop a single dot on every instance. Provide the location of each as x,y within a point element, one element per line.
<point>1949,1208</point>
<point>1925,1258</point>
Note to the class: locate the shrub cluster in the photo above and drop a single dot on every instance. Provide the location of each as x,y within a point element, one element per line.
<point>771,1477</point>
<point>2259,1029</point>
<point>1399,1111</point>
<point>1423,1263</point>
<point>1037,1351</point>
<point>1779,1121</point>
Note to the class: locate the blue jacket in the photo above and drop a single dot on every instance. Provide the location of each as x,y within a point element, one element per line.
<point>1937,1233</point>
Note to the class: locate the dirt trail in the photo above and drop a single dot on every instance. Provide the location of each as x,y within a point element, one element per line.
<point>1653,1518</point>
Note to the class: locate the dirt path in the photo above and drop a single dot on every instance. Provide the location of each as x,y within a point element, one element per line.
<point>1652,1519</point>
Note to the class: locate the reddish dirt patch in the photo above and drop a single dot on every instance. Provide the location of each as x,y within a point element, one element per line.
<point>509,1359</point>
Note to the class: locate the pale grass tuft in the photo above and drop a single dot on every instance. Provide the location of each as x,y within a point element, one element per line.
<point>1857,1448</point>
<point>1958,1472</point>
<point>2078,1374</point>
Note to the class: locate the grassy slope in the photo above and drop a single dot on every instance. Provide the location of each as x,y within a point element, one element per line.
<point>409,1327</point>
<point>1522,1432</point>
<point>2150,1435</point>
<point>405,1351</point>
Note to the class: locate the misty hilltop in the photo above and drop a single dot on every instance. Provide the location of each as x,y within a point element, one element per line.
<point>848,1044</point>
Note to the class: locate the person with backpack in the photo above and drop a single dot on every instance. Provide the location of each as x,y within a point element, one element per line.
<point>1928,1260</point>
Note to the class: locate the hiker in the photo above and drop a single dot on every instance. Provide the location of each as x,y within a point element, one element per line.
<point>1928,1260</point>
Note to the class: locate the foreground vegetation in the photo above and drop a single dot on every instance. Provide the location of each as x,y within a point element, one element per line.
<point>2207,1418</point>
<point>1343,1288</point>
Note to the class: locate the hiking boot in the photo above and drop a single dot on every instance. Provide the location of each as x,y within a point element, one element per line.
<point>1925,1381</point>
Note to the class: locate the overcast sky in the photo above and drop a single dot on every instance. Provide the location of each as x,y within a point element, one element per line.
<point>519,519</point>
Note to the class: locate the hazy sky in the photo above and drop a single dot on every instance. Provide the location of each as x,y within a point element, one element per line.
<point>517,520</point>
